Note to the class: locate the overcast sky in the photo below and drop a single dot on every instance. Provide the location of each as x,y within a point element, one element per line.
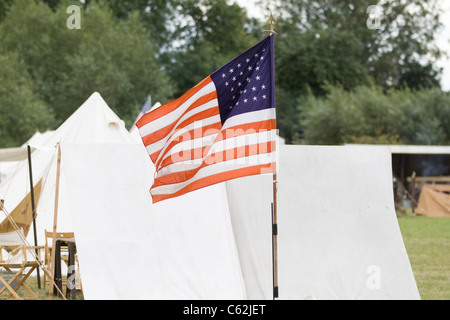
<point>442,39</point>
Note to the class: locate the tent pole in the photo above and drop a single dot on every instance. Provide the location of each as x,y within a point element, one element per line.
<point>33,210</point>
<point>55,218</point>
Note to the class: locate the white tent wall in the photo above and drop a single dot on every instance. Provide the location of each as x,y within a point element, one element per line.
<point>338,235</point>
<point>250,201</point>
<point>196,246</point>
<point>340,230</point>
<point>7,168</point>
<point>111,221</point>
<point>129,248</point>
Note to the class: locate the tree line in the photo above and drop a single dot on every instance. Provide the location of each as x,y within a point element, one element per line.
<point>344,73</point>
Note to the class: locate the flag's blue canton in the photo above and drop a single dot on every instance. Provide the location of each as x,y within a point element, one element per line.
<point>245,84</point>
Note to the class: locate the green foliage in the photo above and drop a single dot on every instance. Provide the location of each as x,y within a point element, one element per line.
<point>318,56</point>
<point>20,112</point>
<point>191,38</point>
<point>337,80</point>
<point>341,43</point>
<point>158,17</point>
<point>368,115</point>
<point>116,58</point>
<point>111,56</point>
<point>423,117</point>
<point>213,32</point>
<point>287,115</point>
<point>4,7</point>
<point>395,44</point>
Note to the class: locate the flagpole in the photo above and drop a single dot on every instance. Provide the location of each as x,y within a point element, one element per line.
<point>271,22</point>
<point>274,237</point>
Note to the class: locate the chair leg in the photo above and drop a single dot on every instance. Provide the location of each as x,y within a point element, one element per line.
<point>22,283</point>
<point>7,286</point>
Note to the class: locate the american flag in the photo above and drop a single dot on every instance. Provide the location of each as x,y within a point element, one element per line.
<point>221,129</point>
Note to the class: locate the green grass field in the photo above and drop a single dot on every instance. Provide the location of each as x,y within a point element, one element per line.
<point>427,241</point>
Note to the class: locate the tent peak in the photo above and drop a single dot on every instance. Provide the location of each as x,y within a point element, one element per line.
<point>95,97</point>
<point>95,94</point>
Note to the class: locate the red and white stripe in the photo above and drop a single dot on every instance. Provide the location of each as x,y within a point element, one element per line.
<point>191,149</point>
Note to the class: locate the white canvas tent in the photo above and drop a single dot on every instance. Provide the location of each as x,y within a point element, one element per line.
<point>338,234</point>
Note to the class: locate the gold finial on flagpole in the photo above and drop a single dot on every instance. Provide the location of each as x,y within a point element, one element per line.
<point>271,22</point>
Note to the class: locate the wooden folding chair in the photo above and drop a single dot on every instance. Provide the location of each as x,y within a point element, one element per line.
<point>19,276</point>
